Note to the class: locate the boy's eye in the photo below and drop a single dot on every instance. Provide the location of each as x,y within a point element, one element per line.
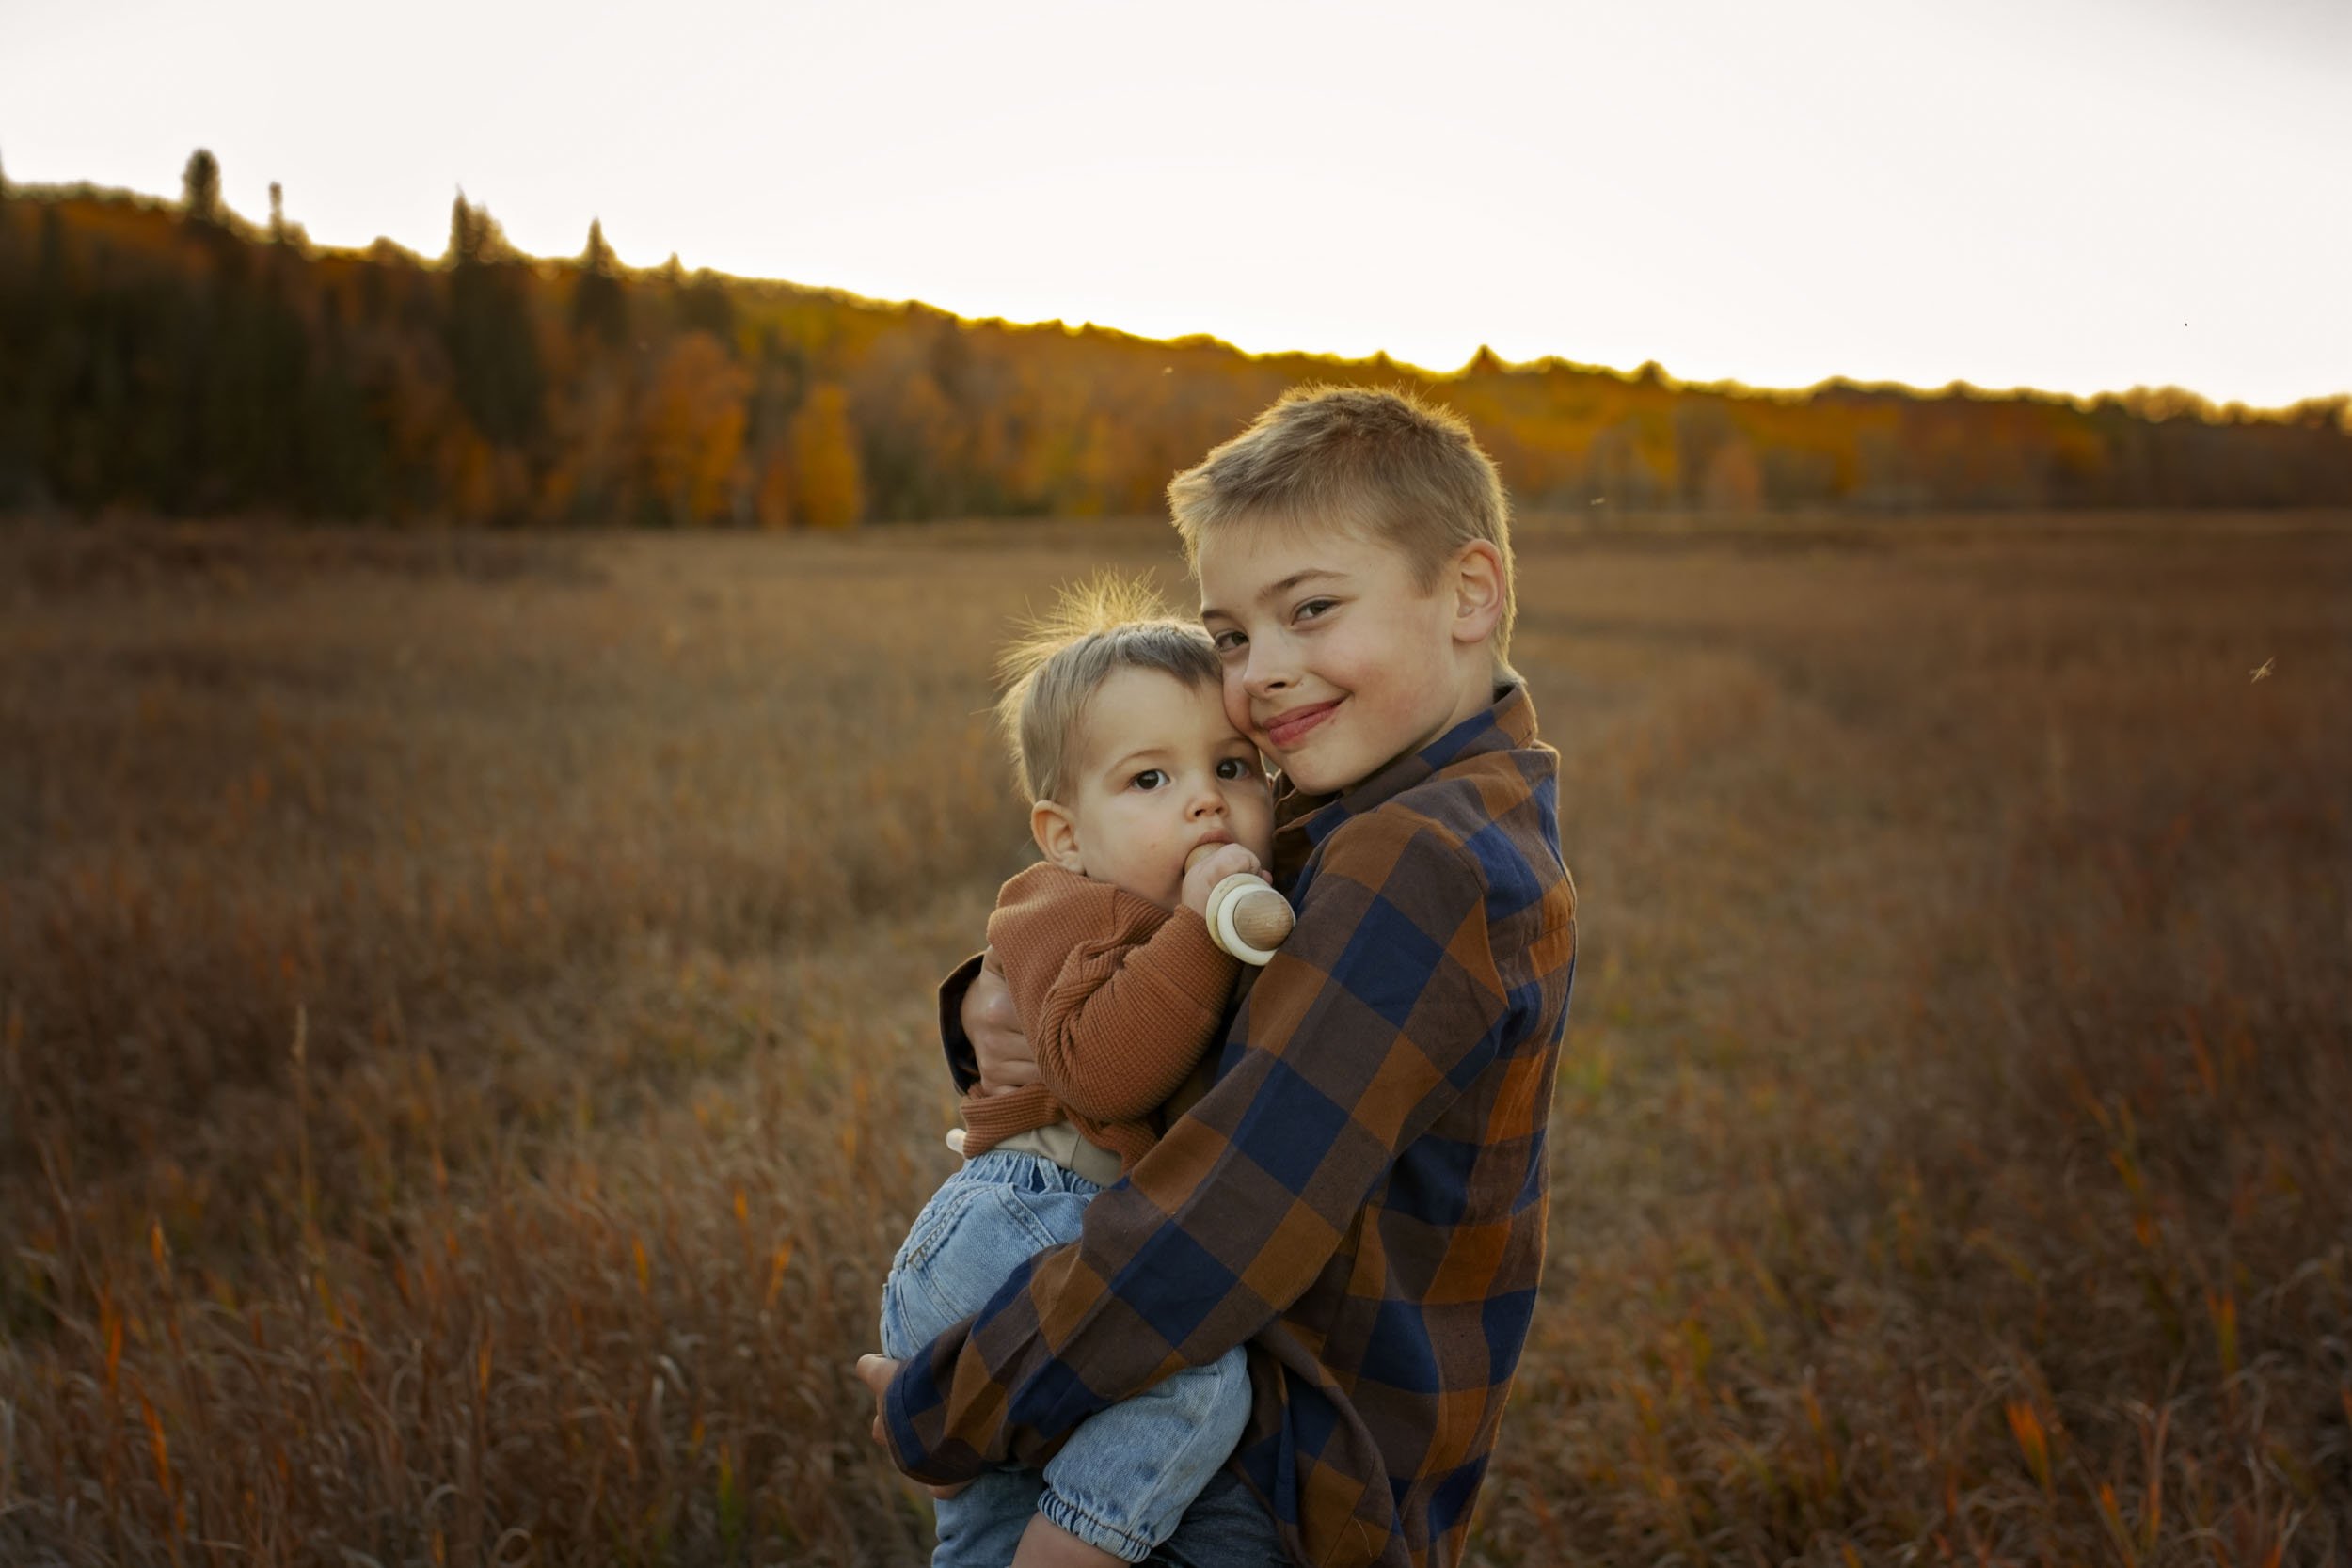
<point>1150,778</point>
<point>1228,641</point>
<point>1235,767</point>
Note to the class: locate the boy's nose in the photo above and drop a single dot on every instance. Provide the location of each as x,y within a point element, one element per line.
<point>1266,674</point>
<point>1208,801</point>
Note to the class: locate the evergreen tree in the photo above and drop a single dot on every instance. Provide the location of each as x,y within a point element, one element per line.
<point>600,303</point>
<point>488,331</point>
<point>200,187</point>
<point>276,213</point>
<point>49,269</point>
<point>475,238</point>
<point>704,304</point>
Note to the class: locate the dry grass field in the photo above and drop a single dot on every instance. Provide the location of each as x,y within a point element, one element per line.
<point>466,1038</point>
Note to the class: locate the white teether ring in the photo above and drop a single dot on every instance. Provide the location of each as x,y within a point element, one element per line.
<point>1222,899</point>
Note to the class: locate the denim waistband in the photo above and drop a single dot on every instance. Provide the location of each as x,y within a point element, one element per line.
<point>1019,1168</point>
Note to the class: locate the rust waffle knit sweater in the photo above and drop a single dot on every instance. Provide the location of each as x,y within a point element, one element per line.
<point>1120,999</point>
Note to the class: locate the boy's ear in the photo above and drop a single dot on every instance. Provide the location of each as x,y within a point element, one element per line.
<point>1057,833</point>
<point>1477,583</point>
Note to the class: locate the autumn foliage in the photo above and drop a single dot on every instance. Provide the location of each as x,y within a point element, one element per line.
<point>174,359</point>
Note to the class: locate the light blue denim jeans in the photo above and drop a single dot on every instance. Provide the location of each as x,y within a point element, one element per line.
<point>1125,1476</point>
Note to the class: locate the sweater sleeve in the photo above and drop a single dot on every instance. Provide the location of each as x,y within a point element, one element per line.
<point>1120,997</point>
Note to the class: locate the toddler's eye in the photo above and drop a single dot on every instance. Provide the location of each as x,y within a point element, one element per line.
<point>1235,767</point>
<point>1150,778</point>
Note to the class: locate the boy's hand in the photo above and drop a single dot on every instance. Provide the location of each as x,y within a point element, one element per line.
<point>876,1371</point>
<point>992,1025</point>
<point>1204,872</point>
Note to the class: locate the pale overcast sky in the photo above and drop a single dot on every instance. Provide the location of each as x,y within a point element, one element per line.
<point>2078,195</point>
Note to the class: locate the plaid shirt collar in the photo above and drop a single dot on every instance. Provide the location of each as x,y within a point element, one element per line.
<point>1303,821</point>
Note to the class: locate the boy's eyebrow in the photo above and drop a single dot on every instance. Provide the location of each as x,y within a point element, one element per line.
<point>1276,590</point>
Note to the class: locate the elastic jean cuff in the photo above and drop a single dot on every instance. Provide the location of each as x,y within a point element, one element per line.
<point>1094,1533</point>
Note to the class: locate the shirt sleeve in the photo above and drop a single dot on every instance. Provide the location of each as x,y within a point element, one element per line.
<point>1380,1010</point>
<point>963,1063</point>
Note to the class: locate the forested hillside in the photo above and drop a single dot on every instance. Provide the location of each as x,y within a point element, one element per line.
<point>175,357</point>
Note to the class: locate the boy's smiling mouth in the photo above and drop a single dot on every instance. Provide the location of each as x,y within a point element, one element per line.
<point>1287,729</point>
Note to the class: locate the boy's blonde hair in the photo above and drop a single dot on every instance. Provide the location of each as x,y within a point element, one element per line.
<point>1410,472</point>
<point>1052,671</point>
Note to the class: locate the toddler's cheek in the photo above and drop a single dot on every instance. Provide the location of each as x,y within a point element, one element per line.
<point>1237,706</point>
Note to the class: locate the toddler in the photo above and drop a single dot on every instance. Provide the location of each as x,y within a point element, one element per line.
<point>1146,799</point>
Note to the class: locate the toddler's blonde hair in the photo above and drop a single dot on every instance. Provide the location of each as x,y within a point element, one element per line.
<point>1060,660</point>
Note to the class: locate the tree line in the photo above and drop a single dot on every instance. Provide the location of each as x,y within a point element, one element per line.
<point>178,358</point>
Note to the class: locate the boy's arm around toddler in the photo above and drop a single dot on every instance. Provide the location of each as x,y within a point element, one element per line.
<point>1385,1005</point>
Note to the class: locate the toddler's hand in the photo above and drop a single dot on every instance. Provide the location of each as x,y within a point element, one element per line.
<point>1205,870</point>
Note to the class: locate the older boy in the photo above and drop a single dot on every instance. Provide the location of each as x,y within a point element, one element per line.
<point>1361,1195</point>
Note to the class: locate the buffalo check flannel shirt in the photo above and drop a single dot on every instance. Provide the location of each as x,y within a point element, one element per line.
<point>1361,1194</point>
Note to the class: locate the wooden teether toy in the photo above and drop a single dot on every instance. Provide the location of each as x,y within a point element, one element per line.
<point>1246,917</point>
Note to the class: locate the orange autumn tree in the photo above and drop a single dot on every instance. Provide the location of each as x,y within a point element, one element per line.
<point>692,429</point>
<point>828,489</point>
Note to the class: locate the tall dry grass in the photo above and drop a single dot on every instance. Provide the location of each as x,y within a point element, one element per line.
<point>1955,1161</point>
<point>464,1020</point>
